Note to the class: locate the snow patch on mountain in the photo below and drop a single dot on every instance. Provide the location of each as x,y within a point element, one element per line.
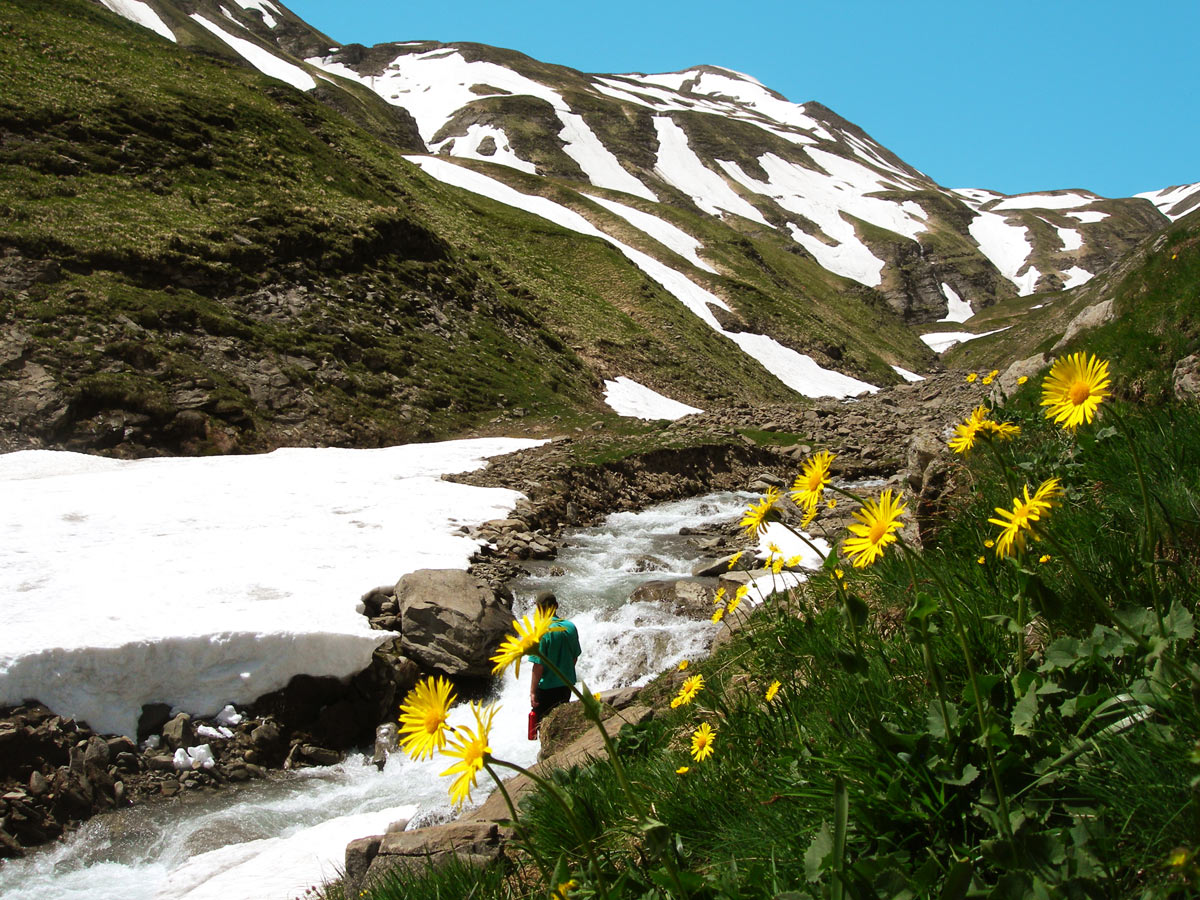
<point>599,164</point>
<point>1175,202</point>
<point>1071,238</point>
<point>976,197</point>
<point>1075,276</point>
<point>263,60</point>
<point>1088,216</point>
<point>799,372</point>
<point>941,341</point>
<point>664,232</point>
<point>907,375</point>
<point>143,14</point>
<point>628,398</point>
<point>1007,246</point>
<point>266,8</point>
<point>825,198</point>
<point>467,147</point>
<point>205,581</point>
<point>679,166</point>
<point>1066,200</point>
<point>957,309</point>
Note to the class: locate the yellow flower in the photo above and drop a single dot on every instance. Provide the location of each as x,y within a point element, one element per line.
<point>720,595</point>
<point>423,717</point>
<point>810,483</point>
<point>529,631</point>
<point>718,614</point>
<point>471,749</point>
<point>988,379</point>
<point>1074,388</point>
<point>702,742</point>
<point>676,702</point>
<point>1000,431</point>
<point>989,543</point>
<point>794,561</point>
<point>772,691</point>
<point>733,604</point>
<point>972,376</point>
<point>1016,525</point>
<point>839,574</point>
<point>1179,856</point>
<point>773,550</point>
<point>981,560</point>
<point>993,373</point>
<point>755,518</point>
<point>733,560</point>
<point>687,693</point>
<point>964,433</point>
<point>777,565</point>
<point>1044,558</point>
<point>831,503</point>
<point>682,770</point>
<point>877,524</point>
<point>1022,379</point>
<point>683,665</point>
<point>564,889</point>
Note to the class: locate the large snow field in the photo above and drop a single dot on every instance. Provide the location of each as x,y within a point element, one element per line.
<point>261,58</point>
<point>664,232</point>
<point>204,581</point>
<point>143,14</point>
<point>679,166</point>
<point>1175,202</point>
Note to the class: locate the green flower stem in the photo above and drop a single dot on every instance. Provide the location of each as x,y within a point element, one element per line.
<point>1148,551</point>
<point>1003,466</point>
<point>935,674</point>
<point>985,732</point>
<point>517,823</point>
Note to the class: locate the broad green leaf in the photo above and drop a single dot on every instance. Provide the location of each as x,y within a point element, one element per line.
<point>819,853</point>
<point>1024,713</point>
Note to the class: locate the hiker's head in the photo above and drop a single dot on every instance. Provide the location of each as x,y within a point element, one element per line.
<point>547,602</point>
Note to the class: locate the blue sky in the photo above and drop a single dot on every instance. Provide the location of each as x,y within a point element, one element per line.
<point>1014,96</point>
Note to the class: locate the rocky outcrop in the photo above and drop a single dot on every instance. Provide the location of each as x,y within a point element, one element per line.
<point>1186,378</point>
<point>451,621</point>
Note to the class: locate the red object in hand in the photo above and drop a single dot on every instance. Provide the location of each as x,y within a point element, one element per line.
<point>533,725</point>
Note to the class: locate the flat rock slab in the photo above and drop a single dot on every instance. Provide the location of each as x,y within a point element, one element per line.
<point>474,842</point>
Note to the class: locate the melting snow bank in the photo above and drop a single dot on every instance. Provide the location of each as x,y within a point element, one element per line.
<point>202,582</point>
<point>941,341</point>
<point>628,398</point>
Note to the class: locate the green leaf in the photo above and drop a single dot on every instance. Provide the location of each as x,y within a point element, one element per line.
<point>968,775</point>
<point>1179,623</point>
<point>924,605</point>
<point>937,727</point>
<point>1024,713</point>
<point>819,853</point>
<point>1062,654</point>
<point>854,663</point>
<point>857,609</point>
<point>958,881</point>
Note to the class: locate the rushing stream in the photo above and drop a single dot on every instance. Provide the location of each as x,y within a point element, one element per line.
<point>271,840</point>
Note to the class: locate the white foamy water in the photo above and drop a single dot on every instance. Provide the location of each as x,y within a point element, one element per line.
<point>272,840</point>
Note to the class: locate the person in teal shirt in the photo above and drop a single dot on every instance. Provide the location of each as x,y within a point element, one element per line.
<point>559,648</point>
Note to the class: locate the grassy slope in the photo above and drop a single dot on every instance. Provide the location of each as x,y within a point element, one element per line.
<point>183,196</point>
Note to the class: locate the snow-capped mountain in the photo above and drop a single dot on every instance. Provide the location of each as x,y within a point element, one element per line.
<point>730,147</point>
<point>724,242</point>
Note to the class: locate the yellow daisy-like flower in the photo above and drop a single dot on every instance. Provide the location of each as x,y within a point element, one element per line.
<point>794,561</point>
<point>718,614</point>
<point>831,503</point>
<point>876,528</point>
<point>965,432</point>
<point>989,543</point>
<point>972,376</point>
<point>691,687</point>
<point>683,664</point>
<point>772,691</point>
<point>755,518</point>
<point>528,632</point>
<point>839,574</point>
<point>702,742</point>
<point>719,596</point>
<point>1022,379</point>
<point>999,431</point>
<point>423,716</point>
<point>676,702</point>
<point>682,770</point>
<point>993,373</point>
<point>811,482</point>
<point>1074,388</point>
<point>470,748</point>
<point>988,379</point>
<point>1016,525</point>
<point>1044,558</point>
<point>777,565</point>
<point>564,889</point>
<point>981,560</point>
<point>733,604</point>
<point>733,560</point>
<point>773,550</point>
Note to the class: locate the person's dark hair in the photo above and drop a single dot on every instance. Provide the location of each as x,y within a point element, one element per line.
<point>546,600</point>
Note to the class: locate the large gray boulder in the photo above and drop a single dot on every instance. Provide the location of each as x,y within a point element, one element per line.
<point>1186,378</point>
<point>451,621</point>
